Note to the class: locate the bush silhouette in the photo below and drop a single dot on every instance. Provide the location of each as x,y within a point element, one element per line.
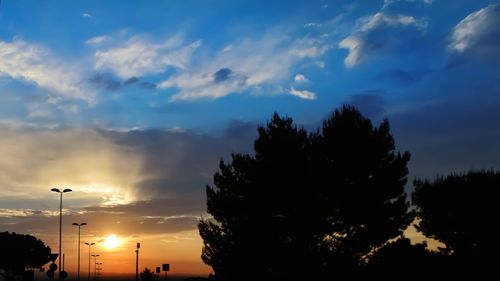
<point>306,205</point>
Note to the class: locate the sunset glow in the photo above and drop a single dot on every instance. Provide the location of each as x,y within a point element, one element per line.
<point>111,242</point>
<point>133,104</point>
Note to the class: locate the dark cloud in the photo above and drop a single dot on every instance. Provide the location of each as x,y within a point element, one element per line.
<point>370,103</point>
<point>241,130</point>
<point>399,76</point>
<point>147,85</point>
<point>167,207</point>
<point>173,169</point>
<point>177,167</point>
<point>222,74</point>
<point>105,81</point>
<point>111,83</point>
<point>131,81</point>
<point>180,164</point>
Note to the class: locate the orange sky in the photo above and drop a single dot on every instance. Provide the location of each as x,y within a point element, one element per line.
<point>181,250</point>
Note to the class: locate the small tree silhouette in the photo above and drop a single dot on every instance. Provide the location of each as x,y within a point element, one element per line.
<point>306,205</point>
<point>19,252</point>
<point>148,275</point>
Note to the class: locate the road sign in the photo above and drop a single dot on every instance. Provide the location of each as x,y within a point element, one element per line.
<point>166,267</point>
<point>53,257</point>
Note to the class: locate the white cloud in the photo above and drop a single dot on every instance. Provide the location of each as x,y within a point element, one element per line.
<point>482,24</point>
<point>94,41</point>
<point>32,63</point>
<point>354,44</point>
<point>49,108</point>
<point>86,15</point>
<point>313,24</point>
<point>387,20</point>
<point>359,42</point>
<point>253,65</point>
<point>300,78</point>
<point>139,56</point>
<point>303,94</point>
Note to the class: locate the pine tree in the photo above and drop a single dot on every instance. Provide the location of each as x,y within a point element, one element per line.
<point>305,201</point>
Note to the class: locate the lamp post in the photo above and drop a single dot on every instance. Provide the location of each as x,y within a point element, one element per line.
<point>99,268</point>
<point>60,223</point>
<point>95,262</point>
<point>137,261</point>
<point>79,225</point>
<point>90,244</point>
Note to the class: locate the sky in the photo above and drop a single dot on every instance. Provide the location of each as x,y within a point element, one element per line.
<point>132,104</point>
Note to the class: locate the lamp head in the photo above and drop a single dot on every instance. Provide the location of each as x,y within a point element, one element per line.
<point>75,224</point>
<point>56,190</point>
<point>67,190</point>
<point>83,223</point>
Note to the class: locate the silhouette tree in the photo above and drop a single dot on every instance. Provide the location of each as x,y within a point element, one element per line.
<point>19,252</point>
<point>362,179</point>
<point>459,211</point>
<point>305,200</point>
<point>148,275</point>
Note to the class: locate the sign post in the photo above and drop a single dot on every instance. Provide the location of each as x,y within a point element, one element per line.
<point>166,268</point>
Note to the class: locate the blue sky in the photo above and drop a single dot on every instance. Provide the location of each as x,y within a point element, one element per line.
<point>132,103</point>
<point>117,64</point>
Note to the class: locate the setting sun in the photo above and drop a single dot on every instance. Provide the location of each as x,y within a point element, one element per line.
<point>111,242</point>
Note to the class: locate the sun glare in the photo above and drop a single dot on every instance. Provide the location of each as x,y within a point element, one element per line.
<point>111,242</point>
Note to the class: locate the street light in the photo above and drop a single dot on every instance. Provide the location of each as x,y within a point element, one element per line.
<point>79,225</point>
<point>99,268</point>
<point>137,261</point>
<point>95,262</point>
<point>60,223</point>
<point>90,244</point>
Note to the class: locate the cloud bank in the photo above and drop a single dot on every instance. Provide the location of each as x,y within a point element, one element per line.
<point>248,66</point>
<point>152,176</point>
